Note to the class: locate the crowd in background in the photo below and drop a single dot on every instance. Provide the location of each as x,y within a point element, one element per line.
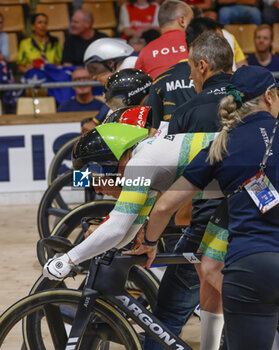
<point>138,24</point>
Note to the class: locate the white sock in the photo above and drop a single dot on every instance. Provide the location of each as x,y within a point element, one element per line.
<point>211,330</point>
<point>276,342</point>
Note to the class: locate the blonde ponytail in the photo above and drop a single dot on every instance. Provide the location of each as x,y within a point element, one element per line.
<point>229,118</point>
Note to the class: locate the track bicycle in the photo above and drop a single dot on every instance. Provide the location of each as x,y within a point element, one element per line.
<point>141,283</point>
<point>85,320</point>
<point>61,155</point>
<point>54,204</point>
<point>33,327</point>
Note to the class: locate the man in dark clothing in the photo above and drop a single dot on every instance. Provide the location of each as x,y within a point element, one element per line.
<point>168,91</point>
<point>210,60</point>
<point>82,35</point>
<point>263,57</point>
<point>200,114</point>
<point>84,99</point>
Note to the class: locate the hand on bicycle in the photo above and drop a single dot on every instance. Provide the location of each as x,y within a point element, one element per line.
<point>90,230</point>
<point>87,126</point>
<point>58,267</point>
<point>139,238</point>
<point>144,249</point>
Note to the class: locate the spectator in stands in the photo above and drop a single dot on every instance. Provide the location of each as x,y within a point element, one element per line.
<point>270,11</point>
<point>263,43</point>
<point>203,8</point>
<point>150,35</point>
<point>199,24</point>
<point>84,99</point>
<point>232,12</point>
<point>162,53</point>
<point>40,47</point>
<point>138,16</point>
<point>137,44</point>
<point>238,55</point>
<point>82,35</point>
<point>4,42</point>
<point>8,97</point>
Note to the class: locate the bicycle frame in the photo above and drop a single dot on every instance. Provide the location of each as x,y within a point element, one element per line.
<point>106,278</point>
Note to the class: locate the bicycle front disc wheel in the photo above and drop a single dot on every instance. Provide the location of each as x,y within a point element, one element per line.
<point>53,312</point>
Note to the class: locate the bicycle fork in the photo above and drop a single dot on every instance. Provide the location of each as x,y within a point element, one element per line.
<point>84,309</point>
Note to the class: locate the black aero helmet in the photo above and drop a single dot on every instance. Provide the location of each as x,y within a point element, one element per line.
<point>103,147</point>
<point>133,115</point>
<point>127,87</point>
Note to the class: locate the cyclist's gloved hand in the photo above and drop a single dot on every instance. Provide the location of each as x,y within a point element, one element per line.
<point>57,268</point>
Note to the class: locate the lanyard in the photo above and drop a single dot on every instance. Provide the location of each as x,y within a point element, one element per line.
<point>43,52</point>
<point>265,157</point>
<point>268,148</point>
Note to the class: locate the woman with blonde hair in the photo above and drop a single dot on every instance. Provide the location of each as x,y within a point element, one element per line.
<point>244,160</point>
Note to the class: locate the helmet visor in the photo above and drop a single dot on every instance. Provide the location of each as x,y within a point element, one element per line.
<point>95,68</point>
<point>116,102</point>
<point>103,170</point>
<point>108,169</point>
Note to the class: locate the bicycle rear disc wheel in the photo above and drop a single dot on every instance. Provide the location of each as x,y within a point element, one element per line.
<point>58,200</point>
<point>59,158</point>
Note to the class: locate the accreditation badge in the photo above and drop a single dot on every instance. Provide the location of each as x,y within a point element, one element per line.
<point>261,190</point>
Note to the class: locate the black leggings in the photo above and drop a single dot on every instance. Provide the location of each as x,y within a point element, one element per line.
<point>250,301</point>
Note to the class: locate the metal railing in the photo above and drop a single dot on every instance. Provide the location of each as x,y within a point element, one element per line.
<point>52,85</point>
<point>62,84</point>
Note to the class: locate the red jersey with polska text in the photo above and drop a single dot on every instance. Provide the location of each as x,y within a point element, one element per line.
<point>162,53</point>
<point>141,17</point>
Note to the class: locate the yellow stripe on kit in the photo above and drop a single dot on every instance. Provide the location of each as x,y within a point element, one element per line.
<point>214,242</point>
<point>145,210</point>
<point>196,145</point>
<point>132,197</point>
